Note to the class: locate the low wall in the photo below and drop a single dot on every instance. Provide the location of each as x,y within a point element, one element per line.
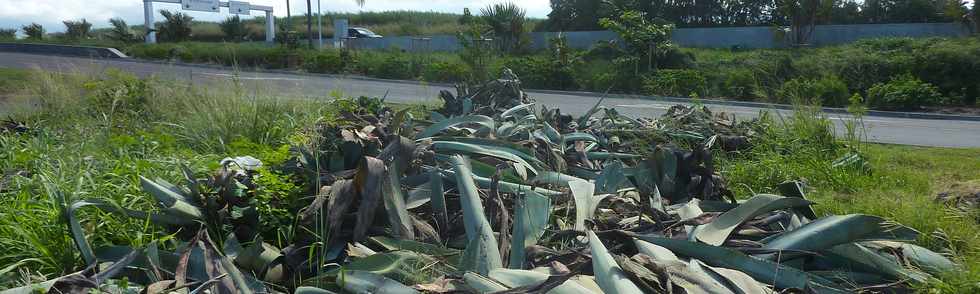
<point>52,49</point>
<point>746,37</point>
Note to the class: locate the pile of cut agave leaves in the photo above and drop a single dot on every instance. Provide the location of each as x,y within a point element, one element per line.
<point>496,194</point>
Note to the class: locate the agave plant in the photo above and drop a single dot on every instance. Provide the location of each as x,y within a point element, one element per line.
<point>494,194</point>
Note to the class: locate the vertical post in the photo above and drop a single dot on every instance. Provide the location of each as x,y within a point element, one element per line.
<point>319,23</point>
<point>270,27</point>
<point>151,34</point>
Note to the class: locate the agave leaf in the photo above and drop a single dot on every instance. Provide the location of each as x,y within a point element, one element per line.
<point>392,244</point>
<point>857,255</point>
<point>513,278</point>
<point>691,277</point>
<point>172,202</point>
<point>573,137</point>
<point>735,280</point>
<point>760,270</point>
<point>586,202</point>
<point>260,258</point>
<point>611,178</point>
<point>311,290</point>
<point>370,175</point>
<point>716,232</point>
<point>838,229</point>
<point>655,251</point>
<point>440,126</point>
<point>508,146</point>
<point>482,284</point>
<point>598,155</point>
<point>506,187</point>
<point>553,178</point>
<point>394,202</point>
<point>927,260</point>
<point>363,282</point>
<point>514,110</point>
<point>498,152</point>
<point>438,199</point>
<point>609,275</point>
<point>482,252</point>
<point>532,213</point>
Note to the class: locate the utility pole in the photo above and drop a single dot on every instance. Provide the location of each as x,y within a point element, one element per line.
<point>289,15</point>
<point>319,23</point>
<point>309,23</point>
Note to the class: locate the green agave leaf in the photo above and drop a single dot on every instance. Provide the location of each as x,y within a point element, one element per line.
<point>508,146</point>
<point>554,178</point>
<point>363,282</point>
<point>927,260</point>
<point>760,270</point>
<point>506,187</point>
<point>532,213</point>
<point>609,275</point>
<point>856,254</point>
<point>484,121</point>
<point>438,200</point>
<point>833,230</point>
<point>498,152</point>
<point>513,278</point>
<point>311,290</point>
<point>586,202</point>
<point>598,155</point>
<point>482,252</point>
<point>655,251</point>
<point>573,137</point>
<point>716,232</point>
<point>611,179</point>
<point>394,202</point>
<point>514,110</point>
<point>172,202</point>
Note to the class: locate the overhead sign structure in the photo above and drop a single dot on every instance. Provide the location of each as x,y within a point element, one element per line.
<point>239,7</point>
<point>235,7</point>
<point>201,5</point>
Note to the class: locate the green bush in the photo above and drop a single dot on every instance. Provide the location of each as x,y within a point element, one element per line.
<point>953,67</point>
<point>445,72</point>
<point>676,82</point>
<point>8,34</point>
<point>904,92</point>
<point>825,91</point>
<point>739,84</point>
<point>541,72</point>
<point>325,61</point>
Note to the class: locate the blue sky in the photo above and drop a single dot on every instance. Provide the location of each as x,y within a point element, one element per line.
<point>50,13</point>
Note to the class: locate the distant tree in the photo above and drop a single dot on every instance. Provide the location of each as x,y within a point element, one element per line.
<point>645,40</point>
<point>8,34</point>
<point>34,31</point>
<point>176,26</point>
<point>508,25</point>
<point>234,29</point>
<point>575,15</point>
<point>803,16</point>
<point>121,32</point>
<point>467,17</point>
<point>77,29</point>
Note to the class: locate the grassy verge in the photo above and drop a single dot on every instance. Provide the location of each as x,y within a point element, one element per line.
<point>94,136</point>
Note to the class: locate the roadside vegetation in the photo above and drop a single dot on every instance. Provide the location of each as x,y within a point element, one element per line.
<point>93,137</point>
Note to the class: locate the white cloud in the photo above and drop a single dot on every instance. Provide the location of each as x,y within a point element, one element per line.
<point>50,13</point>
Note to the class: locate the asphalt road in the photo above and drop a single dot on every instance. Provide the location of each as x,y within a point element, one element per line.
<point>922,132</point>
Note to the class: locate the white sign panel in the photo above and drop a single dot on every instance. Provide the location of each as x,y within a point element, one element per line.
<point>201,5</point>
<point>238,7</point>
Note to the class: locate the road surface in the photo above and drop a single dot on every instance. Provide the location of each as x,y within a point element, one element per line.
<point>922,132</point>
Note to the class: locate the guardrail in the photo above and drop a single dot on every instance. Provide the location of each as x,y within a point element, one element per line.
<point>66,50</point>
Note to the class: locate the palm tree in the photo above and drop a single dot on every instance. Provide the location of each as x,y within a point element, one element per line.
<point>507,23</point>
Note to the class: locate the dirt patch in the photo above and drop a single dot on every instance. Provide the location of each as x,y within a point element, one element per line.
<point>962,195</point>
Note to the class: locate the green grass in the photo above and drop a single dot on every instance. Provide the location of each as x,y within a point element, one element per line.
<point>93,136</point>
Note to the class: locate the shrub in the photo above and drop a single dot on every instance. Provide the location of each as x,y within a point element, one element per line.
<point>121,32</point>
<point>325,61</point>
<point>77,30</point>
<point>675,82</point>
<point>234,29</point>
<point>953,67</point>
<point>826,91</point>
<point>386,65</point>
<point>34,31</point>
<point>739,84</point>
<point>904,92</point>
<point>176,26</point>
<point>541,72</point>
<point>8,34</point>
<point>445,71</point>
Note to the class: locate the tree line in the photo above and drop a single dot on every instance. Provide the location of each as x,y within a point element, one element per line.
<point>577,15</point>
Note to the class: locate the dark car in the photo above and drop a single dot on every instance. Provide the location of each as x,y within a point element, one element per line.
<point>361,33</point>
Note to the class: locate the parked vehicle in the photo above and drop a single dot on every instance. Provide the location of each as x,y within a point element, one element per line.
<point>356,33</point>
